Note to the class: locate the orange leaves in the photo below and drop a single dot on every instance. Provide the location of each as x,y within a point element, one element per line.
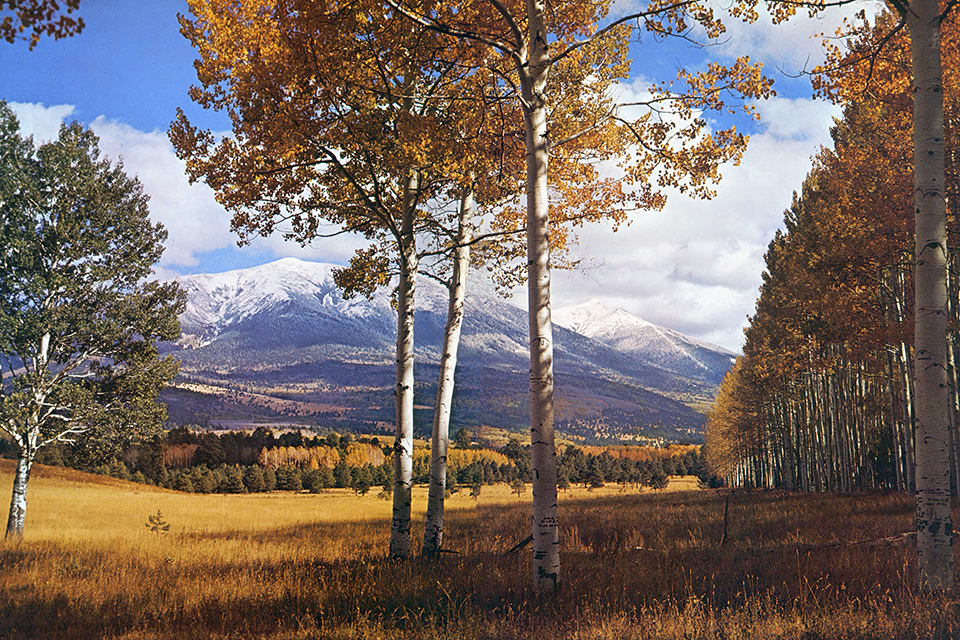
<point>838,284</point>
<point>332,104</point>
<point>32,19</point>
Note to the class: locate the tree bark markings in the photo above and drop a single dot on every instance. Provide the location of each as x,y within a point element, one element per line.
<point>403,445</point>
<point>433,527</point>
<point>934,525</point>
<point>544,520</point>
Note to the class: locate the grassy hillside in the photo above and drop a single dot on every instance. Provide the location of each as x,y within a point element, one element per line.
<point>283,566</point>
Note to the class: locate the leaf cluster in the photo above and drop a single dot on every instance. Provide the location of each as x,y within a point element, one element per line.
<point>31,19</point>
<point>79,321</point>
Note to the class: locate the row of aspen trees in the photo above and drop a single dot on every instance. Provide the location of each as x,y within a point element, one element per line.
<point>822,398</point>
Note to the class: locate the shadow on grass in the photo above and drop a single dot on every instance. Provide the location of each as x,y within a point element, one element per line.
<point>626,559</point>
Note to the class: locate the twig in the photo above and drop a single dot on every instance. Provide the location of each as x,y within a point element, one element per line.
<point>520,545</point>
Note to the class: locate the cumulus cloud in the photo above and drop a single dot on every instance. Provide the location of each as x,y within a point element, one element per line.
<point>43,123</point>
<point>794,46</point>
<point>194,220</point>
<point>197,225</point>
<point>696,265</point>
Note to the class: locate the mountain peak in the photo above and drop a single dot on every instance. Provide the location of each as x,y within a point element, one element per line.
<point>288,323</point>
<point>657,345</point>
<point>586,317</point>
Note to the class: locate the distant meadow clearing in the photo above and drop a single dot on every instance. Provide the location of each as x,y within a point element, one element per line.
<point>635,565</point>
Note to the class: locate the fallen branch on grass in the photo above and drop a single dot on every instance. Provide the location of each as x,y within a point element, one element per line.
<point>520,545</point>
<point>894,539</point>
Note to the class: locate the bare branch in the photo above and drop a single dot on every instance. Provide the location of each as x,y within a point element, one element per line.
<point>439,27</point>
<point>616,23</point>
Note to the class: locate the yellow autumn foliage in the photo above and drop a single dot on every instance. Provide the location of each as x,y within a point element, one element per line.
<point>459,458</point>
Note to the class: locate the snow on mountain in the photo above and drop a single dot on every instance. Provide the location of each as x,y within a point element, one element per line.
<point>287,322</point>
<point>291,302</point>
<point>657,345</point>
<point>222,301</point>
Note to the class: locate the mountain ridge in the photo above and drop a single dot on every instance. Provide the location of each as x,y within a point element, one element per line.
<point>286,325</point>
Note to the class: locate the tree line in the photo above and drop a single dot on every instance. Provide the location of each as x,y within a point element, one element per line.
<point>197,461</point>
<point>824,396</point>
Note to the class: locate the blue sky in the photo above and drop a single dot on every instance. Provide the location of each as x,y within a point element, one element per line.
<point>694,267</point>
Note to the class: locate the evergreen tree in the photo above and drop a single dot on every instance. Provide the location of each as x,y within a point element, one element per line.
<point>312,480</point>
<point>232,481</point>
<point>362,480</point>
<point>288,479</point>
<point>269,479</point>
<point>342,478</point>
<point>253,479</point>
<point>463,440</point>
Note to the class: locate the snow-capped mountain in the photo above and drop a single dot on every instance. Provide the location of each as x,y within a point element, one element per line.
<point>287,323</point>
<point>288,288</point>
<point>658,345</point>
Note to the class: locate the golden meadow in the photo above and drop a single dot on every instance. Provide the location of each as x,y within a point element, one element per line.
<point>297,566</point>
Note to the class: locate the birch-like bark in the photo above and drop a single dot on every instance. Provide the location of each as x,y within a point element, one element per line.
<point>403,394</point>
<point>27,441</point>
<point>546,538</point>
<point>433,528</point>
<point>18,501</point>
<point>934,526</point>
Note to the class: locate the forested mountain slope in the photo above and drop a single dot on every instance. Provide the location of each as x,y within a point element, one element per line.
<point>279,343</point>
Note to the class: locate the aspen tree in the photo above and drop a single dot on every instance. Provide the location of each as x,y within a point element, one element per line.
<point>532,40</point>
<point>79,321</point>
<point>336,122</point>
<point>440,437</point>
<point>922,20</point>
<point>934,523</point>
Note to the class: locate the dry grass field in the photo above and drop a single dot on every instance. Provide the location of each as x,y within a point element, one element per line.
<point>284,566</point>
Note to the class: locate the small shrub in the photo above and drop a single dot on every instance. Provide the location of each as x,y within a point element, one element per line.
<point>157,524</point>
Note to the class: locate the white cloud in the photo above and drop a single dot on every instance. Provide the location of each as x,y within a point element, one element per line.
<point>195,222</point>
<point>337,250</point>
<point>794,46</point>
<point>696,266</point>
<point>43,123</point>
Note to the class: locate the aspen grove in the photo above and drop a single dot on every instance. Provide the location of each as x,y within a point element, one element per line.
<point>825,396</point>
<point>302,154</point>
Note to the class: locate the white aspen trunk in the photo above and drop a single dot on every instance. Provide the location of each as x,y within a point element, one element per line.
<point>433,528</point>
<point>403,445</point>
<point>934,526</point>
<point>18,501</point>
<point>546,538</point>
<point>895,413</point>
<point>27,443</point>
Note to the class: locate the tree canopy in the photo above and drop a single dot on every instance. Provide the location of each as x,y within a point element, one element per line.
<point>79,320</point>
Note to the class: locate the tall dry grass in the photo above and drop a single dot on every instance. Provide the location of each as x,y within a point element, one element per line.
<point>303,566</point>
